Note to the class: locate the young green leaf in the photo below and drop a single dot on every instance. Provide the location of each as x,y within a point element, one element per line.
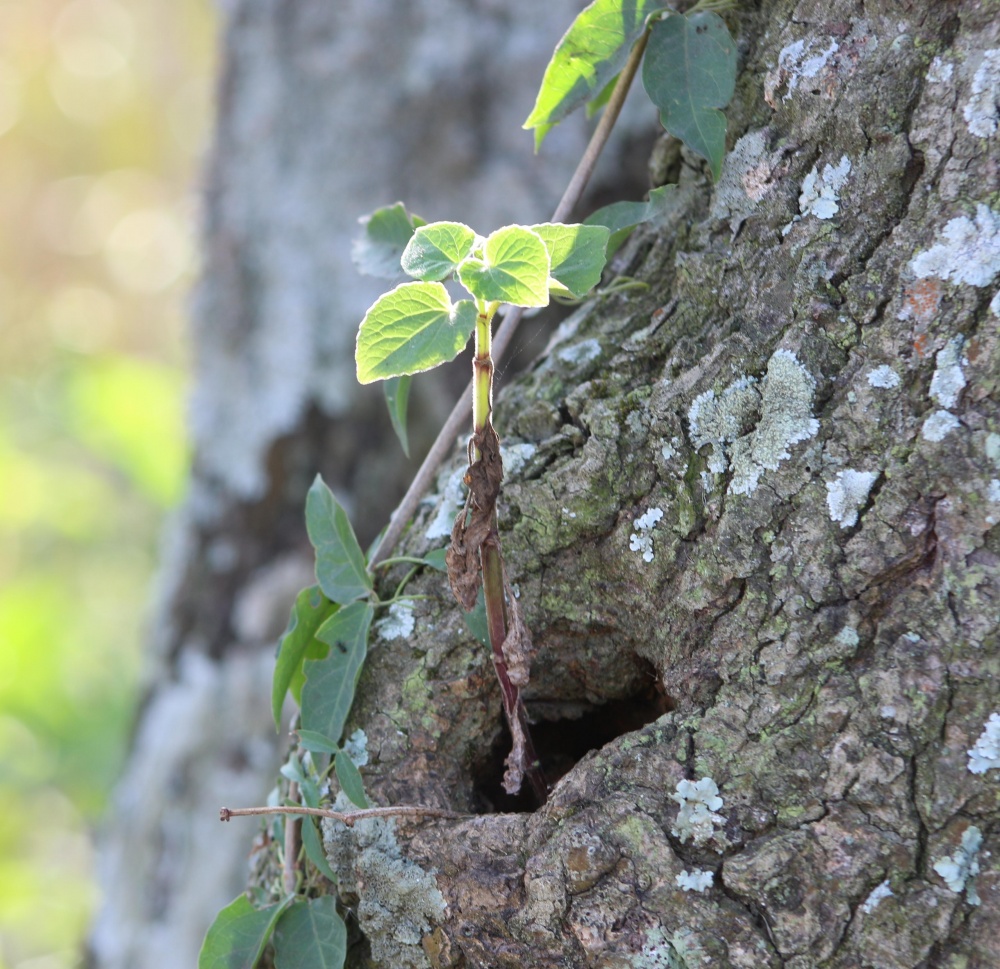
<point>513,268</point>
<point>236,939</point>
<point>313,844</point>
<point>436,559</point>
<point>311,935</point>
<point>316,742</point>
<point>689,72</point>
<point>576,254</point>
<point>299,642</point>
<point>350,779</point>
<point>397,399</point>
<point>475,620</point>
<point>622,217</point>
<point>413,328</point>
<point>329,688</point>
<point>590,54</point>
<point>340,563</point>
<point>435,250</point>
<point>377,251</point>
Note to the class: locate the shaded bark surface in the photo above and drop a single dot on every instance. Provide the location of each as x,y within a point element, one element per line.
<point>816,629</point>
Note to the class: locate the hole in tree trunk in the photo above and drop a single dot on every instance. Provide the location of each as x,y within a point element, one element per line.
<point>562,742</point>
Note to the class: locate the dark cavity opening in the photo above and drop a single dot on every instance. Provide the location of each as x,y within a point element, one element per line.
<point>562,743</point>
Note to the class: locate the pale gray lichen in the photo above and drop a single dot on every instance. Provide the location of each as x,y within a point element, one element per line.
<point>516,456</point>
<point>680,951</point>
<point>356,747</point>
<point>969,254</point>
<point>641,540</point>
<point>746,178</point>
<point>718,421</point>
<point>883,377</point>
<point>847,493</point>
<point>995,304</point>
<point>697,817</point>
<point>959,870</point>
<point>819,189</point>
<point>940,71</point>
<point>781,410</point>
<point>797,61</point>
<point>982,112</point>
<point>786,419</point>
<point>582,352</point>
<point>848,636</point>
<point>696,880</point>
<point>875,896</point>
<point>992,447</point>
<point>398,903</point>
<point>948,379</point>
<point>398,623</point>
<point>985,755</point>
<point>448,505</point>
<point>939,425</point>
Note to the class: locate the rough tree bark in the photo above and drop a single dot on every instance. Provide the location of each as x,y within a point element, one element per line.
<point>752,518</point>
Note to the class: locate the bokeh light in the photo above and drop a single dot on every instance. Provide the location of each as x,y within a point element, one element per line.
<point>104,118</point>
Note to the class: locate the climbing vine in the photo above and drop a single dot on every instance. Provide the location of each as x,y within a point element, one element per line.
<point>688,65</point>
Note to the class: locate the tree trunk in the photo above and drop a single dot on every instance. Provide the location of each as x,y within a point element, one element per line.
<point>751,514</point>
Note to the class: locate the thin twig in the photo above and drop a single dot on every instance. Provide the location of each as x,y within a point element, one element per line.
<point>348,818</point>
<point>457,419</point>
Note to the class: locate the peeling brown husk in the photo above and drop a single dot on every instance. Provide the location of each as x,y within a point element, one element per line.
<point>474,522</point>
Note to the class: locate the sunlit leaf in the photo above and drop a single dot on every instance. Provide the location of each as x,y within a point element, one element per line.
<point>340,563</point>
<point>350,779</point>
<point>588,56</point>
<point>576,254</point>
<point>329,688</point>
<point>310,610</point>
<point>397,399</point>
<point>689,72</point>
<point>311,935</point>
<point>513,268</point>
<point>237,937</point>
<point>385,233</point>
<point>435,250</point>
<point>413,328</point>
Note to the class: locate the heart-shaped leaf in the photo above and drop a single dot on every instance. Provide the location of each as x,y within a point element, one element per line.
<point>576,254</point>
<point>689,72</point>
<point>513,268</point>
<point>413,328</point>
<point>435,250</point>
<point>587,58</point>
<point>311,935</point>
<point>385,233</point>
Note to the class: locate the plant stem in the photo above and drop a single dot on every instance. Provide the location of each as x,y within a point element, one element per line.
<point>424,478</point>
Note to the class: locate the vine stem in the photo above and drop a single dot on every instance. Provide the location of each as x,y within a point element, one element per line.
<point>347,817</point>
<point>424,478</point>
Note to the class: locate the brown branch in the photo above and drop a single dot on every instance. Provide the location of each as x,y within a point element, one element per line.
<point>348,818</point>
<point>453,426</point>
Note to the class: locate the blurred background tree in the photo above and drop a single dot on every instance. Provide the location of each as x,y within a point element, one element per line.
<point>104,111</point>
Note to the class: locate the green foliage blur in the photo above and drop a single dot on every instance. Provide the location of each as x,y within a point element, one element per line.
<point>104,110</point>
